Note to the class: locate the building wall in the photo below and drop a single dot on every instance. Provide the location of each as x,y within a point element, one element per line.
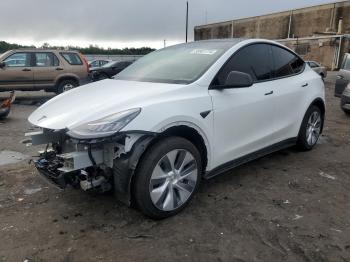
<point>324,51</point>
<point>304,22</point>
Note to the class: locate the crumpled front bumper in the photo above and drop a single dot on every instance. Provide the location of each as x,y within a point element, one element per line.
<point>54,177</point>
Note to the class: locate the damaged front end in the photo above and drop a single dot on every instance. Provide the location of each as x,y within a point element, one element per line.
<point>100,165</point>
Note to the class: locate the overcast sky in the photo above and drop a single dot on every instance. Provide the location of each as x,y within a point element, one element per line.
<point>123,23</point>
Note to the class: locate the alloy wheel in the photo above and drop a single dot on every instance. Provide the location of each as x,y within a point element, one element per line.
<point>68,87</point>
<point>173,180</point>
<point>313,128</point>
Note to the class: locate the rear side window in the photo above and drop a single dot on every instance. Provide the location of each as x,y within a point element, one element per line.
<point>254,60</point>
<point>72,58</point>
<point>285,63</point>
<point>46,59</point>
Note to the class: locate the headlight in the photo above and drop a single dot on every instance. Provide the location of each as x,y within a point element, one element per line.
<point>105,126</point>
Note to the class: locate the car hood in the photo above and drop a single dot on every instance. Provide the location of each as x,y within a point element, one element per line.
<point>95,101</point>
<point>98,69</point>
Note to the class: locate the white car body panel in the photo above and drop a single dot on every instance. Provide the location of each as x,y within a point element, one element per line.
<point>242,120</point>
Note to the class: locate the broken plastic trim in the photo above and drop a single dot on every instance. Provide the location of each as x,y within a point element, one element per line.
<point>124,169</point>
<point>113,138</point>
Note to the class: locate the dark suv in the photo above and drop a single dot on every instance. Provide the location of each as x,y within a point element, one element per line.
<point>49,70</point>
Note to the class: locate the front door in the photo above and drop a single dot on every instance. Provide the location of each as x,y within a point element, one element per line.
<point>244,118</point>
<point>17,74</point>
<point>290,92</point>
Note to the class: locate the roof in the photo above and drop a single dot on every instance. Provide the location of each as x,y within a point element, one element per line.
<point>41,50</point>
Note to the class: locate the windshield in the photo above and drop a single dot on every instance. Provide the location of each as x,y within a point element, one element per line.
<point>180,64</point>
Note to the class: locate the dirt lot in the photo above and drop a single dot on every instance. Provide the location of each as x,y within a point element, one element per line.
<point>289,206</point>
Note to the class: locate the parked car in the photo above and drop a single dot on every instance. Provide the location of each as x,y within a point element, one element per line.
<point>178,115</point>
<point>98,63</point>
<point>343,77</point>
<point>49,70</point>
<point>318,68</point>
<point>109,70</point>
<point>345,100</point>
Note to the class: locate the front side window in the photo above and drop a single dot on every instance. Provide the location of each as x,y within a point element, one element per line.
<point>103,62</point>
<point>94,64</point>
<point>72,58</point>
<point>254,60</point>
<point>285,62</point>
<point>46,60</point>
<point>181,64</point>
<point>18,60</point>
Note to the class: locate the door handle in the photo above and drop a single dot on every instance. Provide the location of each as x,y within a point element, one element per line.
<point>305,85</point>
<point>269,93</point>
<point>26,69</point>
<point>59,68</point>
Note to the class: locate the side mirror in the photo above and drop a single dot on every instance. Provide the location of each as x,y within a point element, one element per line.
<point>2,64</point>
<point>236,79</point>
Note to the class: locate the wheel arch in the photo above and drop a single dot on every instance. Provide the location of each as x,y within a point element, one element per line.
<point>60,79</point>
<point>125,166</point>
<point>192,135</point>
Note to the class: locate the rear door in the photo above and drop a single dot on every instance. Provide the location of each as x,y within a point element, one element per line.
<point>343,77</point>
<point>244,118</point>
<point>46,69</point>
<point>17,74</point>
<point>290,92</point>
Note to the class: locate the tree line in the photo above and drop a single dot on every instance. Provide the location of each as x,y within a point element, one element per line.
<point>92,49</point>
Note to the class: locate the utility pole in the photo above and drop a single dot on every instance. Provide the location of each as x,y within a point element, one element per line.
<point>164,43</point>
<point>186,21</point>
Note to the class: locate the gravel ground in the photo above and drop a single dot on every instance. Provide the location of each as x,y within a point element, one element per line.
<point>288,206</point>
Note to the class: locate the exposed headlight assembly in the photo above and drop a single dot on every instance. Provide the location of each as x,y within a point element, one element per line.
<point>105,126</point>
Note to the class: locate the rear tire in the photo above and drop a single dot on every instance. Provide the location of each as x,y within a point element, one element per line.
<point>167,177</point>
<point>310,129</point>
<point>66,85</point>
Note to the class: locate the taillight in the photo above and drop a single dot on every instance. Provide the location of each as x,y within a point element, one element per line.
<point>86,63</point>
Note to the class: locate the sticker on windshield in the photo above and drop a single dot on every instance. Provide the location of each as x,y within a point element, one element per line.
<point>203,51</point>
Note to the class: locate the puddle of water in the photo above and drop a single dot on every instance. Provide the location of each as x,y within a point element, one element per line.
<point>11,157</point>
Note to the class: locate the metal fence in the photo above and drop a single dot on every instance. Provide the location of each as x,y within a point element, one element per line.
<point>113,57</point>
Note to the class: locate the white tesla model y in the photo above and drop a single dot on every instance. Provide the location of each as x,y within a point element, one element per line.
<point>178,115</point>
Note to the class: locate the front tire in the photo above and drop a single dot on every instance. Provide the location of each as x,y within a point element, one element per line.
<point>310,129</point>
<point>167,177</point>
